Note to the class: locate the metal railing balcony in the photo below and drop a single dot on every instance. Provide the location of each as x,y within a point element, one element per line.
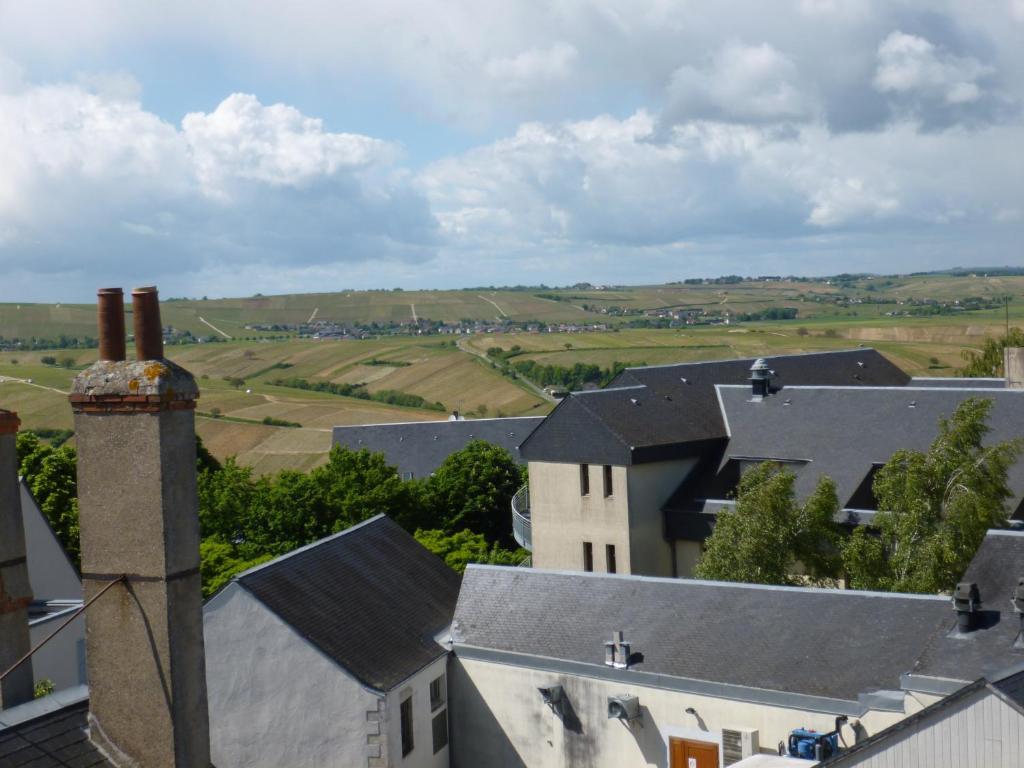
<point>521,518</point>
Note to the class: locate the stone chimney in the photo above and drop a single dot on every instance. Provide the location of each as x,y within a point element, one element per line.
<point>1013,367</point>
<point>15,592</point>
<point>135,427</point>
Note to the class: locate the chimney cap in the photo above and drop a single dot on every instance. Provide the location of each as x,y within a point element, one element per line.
<point>966,596</point>
<point>760,365</point>
<point>109,291</point>
<point>143,289</point>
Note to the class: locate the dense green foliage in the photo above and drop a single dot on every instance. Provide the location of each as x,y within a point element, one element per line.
<point>463,509</point>
<point>989,362</point>
<point>935,508</point>
<point>460,549</point>
<point>472,489</point>
<point>389,396</point>
<point>578,377</point>
<point>51,476</point>
<point>764,538</point>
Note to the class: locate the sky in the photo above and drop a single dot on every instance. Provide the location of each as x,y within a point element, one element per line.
<point>228,148</point>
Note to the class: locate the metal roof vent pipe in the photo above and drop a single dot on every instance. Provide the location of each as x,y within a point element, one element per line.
<point>967,604</point>
<point>760,379</point>
<point>1018,608</point>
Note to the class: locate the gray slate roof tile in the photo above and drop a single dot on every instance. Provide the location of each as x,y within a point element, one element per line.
<point>829,643</point>
<point>663,411</point>
<point>421,447</point>
<point>371,598</point>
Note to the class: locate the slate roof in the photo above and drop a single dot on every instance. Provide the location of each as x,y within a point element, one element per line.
<point>371,598</point>
<point>843,431</point>
<point>56,737</point>
<point>667,411</point>
<point>829,643</point>
<point>420,447</point>
<point>996,566</point>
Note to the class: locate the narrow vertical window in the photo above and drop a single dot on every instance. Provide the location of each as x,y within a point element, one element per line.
<point>436,693</point>
<point>609,553</point>
<point>588,556</point>
<point>584,479</point>
<point>607,480</point>
<point>406,716</point>
<point>440,727</point>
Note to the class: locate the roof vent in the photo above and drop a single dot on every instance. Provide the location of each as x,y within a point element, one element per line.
<point>684,380</point>
<point>1018,608</point>
<point>860,364</point>
<point>617,652</point>
<point>913,404</point>
<point>760,378</point>
<point>634,401</point>
<point>967,604</point>
<point>787,401</point>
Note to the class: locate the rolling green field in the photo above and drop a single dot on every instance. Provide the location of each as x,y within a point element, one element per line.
<point>812,299</point>
<point>455,371</point>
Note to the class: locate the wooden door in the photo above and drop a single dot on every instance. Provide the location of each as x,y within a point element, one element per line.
<point>684,753</point>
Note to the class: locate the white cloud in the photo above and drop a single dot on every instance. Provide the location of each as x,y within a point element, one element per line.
<point>533,67</point>
<point>94,181</point>
<point>911,64</point>
<point>743,83</point>
<point>243,141</point>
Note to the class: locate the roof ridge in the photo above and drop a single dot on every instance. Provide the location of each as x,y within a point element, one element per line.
<point>758,357</point>
<point>708,583</point>
<point>307,547</point>
<point>432,421</point>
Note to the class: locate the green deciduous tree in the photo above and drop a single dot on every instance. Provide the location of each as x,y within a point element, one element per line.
<point>219,563</point>
<point>51,476</point>
<point>935,508</point>
<point>464,547</point>
<point>473,489</point>
<point>768,536</point>
<point>989,362</point>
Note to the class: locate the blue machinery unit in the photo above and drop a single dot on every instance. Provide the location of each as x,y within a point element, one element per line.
<point>812,745</point>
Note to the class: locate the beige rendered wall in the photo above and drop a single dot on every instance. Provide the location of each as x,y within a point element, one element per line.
<point>418,687</point>
<point>687,556</point>
<point>562,519</point>
<point>499,719</point>
<point>630,519</point>
<point>650,486</point>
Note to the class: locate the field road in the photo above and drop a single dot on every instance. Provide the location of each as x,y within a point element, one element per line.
<point>414,318</point>
<point>501,312</point>
<point>539,391</point>
<point>312,316</point>
<point>218,330</point>
<point>32,384</point>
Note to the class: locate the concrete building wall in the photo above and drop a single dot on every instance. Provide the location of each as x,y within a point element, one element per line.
<point>980,730</point>
<point>417,687</point>
<point>500,719</point>
<point>61,660</point>
<point>562,519</point>
<point>630,519</point>
<point>687,556</point>
<point>50,573</point>
<point>275,700</point>
<point>650,486</point>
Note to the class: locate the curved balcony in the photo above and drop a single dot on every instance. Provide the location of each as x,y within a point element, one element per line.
<point>521,518</point>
